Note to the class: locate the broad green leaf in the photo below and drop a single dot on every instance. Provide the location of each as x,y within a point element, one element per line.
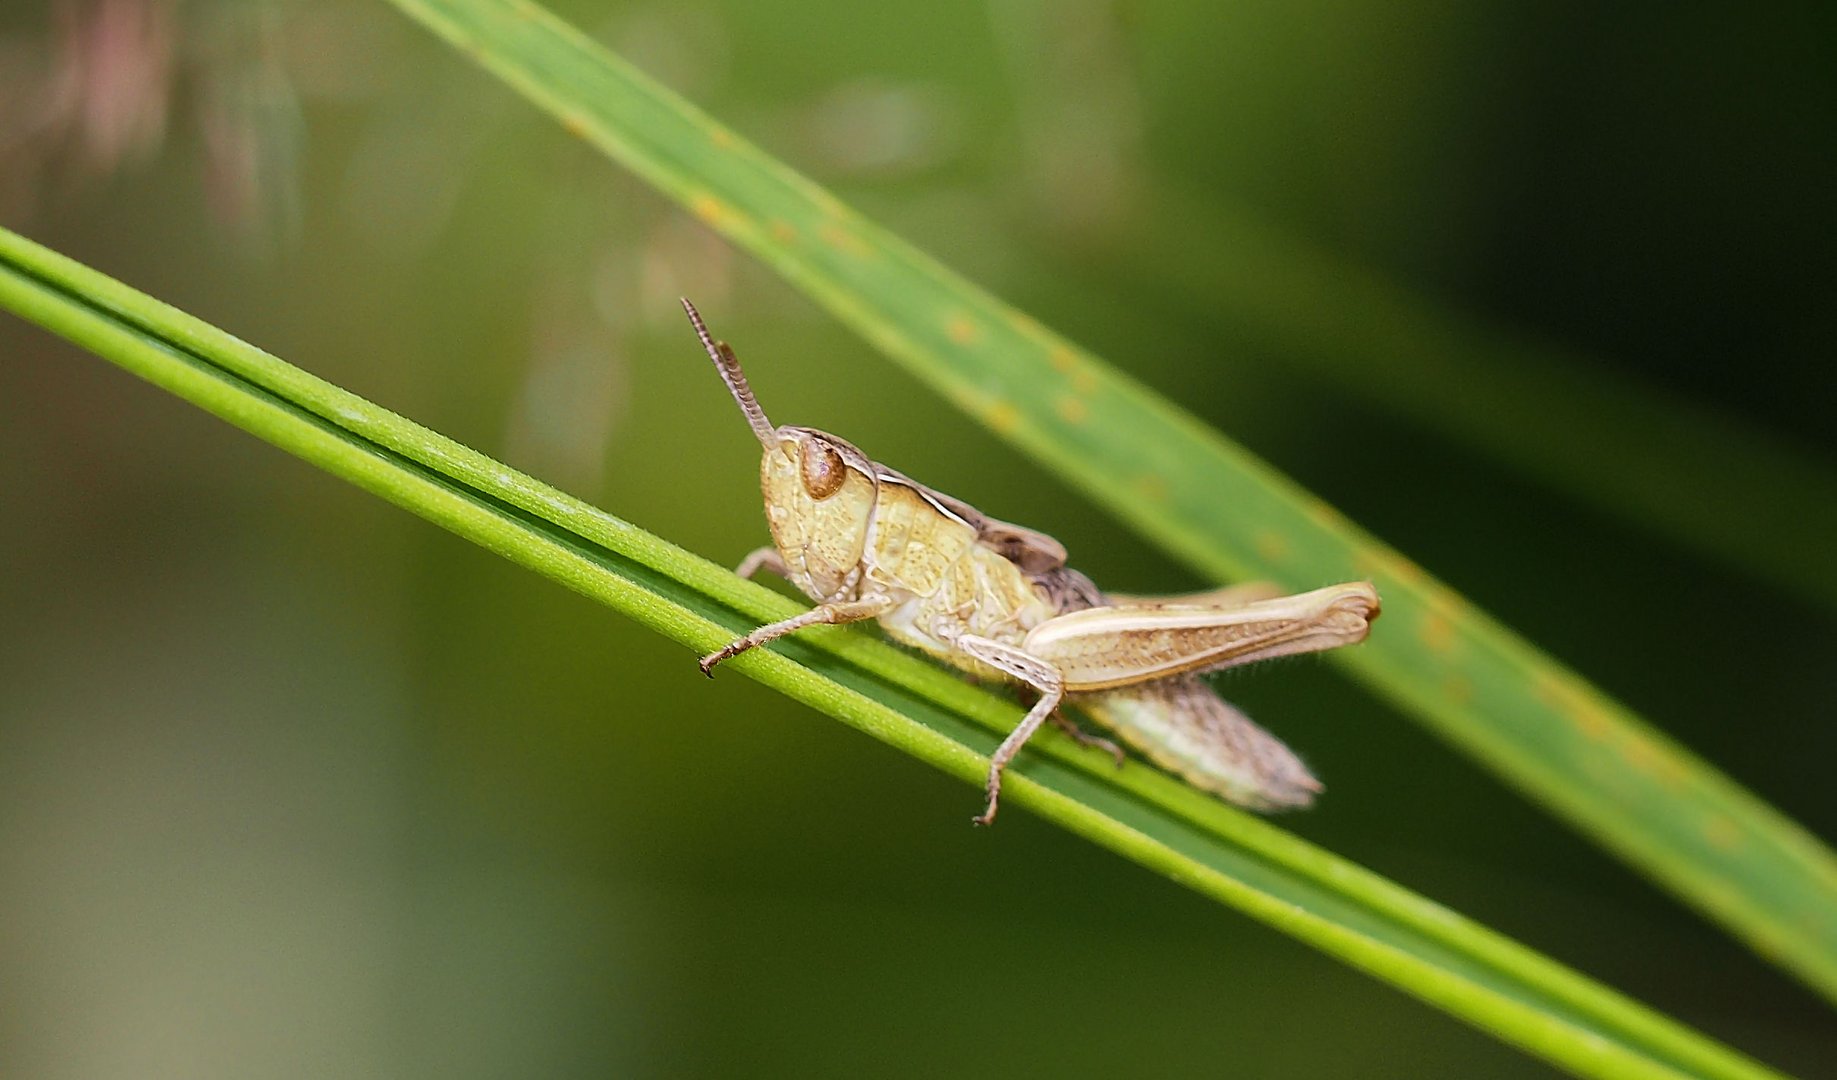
<point>1430,952</point>
<point>1559,739</point>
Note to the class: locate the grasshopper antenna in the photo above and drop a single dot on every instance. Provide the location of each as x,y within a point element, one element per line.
<point>729,366</point>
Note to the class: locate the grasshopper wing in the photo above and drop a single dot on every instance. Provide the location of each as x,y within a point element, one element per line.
<point>1187,729</point>
<point>1029,549</point>
<point>1102,648</point>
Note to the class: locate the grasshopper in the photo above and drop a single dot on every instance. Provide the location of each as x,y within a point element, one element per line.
<point>997,601</point>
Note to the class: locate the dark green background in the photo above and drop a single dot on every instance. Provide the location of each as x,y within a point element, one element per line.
<point>294,784</point>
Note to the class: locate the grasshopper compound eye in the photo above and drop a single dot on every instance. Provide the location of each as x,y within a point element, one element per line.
<point>823,468</point>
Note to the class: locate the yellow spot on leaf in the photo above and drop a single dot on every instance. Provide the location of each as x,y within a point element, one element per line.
<point>1591,723</point>
<point>1323,514</point>
<point>1458,689</point>
<point>1407,571</point>
<point>842,240</point>
<point>721,137</point>
<point>962,330</point>
<point>575,125</point>
<point>1667,769</point>
<point>782,231</point>
<point>1596,722</point>
<point>1722,834</point>
<point>711,210</point>
<point>1437,632</point>
<point>1587,717</point>
<point>1271,545</point>
<point>1151,486</point>
<point>1650,759</point>
<point>1073,410</point>
<point>1064,360</point>
<point>1639,754</point>
<point>1002,417</point>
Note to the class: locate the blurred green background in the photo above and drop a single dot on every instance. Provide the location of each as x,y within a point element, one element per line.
<point>294,784</point>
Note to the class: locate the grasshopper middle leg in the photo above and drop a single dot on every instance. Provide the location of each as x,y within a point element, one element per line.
<point>1037,673</point>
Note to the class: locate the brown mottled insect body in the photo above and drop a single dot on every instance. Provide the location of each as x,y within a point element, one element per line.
<point>998,601</point>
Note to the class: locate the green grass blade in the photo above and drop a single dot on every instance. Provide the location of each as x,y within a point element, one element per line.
<point>1486,979</point>
<point>1559,739</point>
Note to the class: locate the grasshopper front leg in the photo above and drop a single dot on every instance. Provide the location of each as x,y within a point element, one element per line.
<point>845,611</point>
<point>765,558</point>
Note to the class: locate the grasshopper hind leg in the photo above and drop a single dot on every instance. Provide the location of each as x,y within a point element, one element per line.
<point>1087,740</point>
<point>1185,727</point>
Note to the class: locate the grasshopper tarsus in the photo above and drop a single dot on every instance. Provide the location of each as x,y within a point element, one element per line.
<point>1010,746</point>
<point>987,817</point>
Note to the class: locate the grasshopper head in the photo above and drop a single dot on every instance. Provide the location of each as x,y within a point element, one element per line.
<point>819,498</point>
<point>819,490</point>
